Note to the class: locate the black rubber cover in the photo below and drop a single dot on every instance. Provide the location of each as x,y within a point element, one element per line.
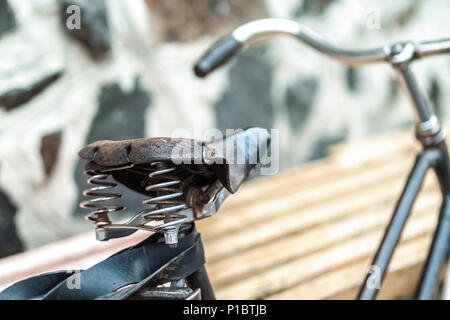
<point>147,263</point>
<point>222,51</point>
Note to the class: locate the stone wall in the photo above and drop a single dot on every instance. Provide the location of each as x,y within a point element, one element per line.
<point>128,73</point>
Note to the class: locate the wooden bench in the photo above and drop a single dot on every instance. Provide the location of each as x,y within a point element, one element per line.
<point>305,233</point>
<point>310,232</point>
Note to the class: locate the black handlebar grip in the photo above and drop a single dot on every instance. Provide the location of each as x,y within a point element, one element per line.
<point>222,51</point>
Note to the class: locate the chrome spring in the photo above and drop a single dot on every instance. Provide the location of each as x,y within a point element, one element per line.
<point>168,191</point>
<point>164,216</point>
<point>101,209</point>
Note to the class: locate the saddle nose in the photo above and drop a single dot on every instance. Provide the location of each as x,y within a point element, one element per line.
<point>236,155</point>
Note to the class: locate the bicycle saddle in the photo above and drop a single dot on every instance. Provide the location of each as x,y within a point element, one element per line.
<point>185,179</point>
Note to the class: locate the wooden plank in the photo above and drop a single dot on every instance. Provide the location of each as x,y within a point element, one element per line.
<point>308,176</point>
<point>305,242</point>
<point>310,232</point>
<point>344,282</point>
<point>280,201</point>
<point>279,278</point>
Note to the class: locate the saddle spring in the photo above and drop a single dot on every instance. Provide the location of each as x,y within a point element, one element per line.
<point>168,190</point>
<point>101,210</point>
<point>164,215</point>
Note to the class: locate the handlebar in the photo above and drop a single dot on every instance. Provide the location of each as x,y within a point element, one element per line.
<point>224,49</point>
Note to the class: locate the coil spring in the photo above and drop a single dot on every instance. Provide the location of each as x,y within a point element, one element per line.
<point>165,205</point>
<point>101,210</point>
<point>168,192</point>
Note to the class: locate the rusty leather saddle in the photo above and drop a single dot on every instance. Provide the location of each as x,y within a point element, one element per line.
<point>185,180</point>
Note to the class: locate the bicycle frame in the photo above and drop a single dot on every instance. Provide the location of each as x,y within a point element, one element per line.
<point>429,132</point>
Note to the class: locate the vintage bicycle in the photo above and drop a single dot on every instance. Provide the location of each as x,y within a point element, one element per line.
<point>187,180</point>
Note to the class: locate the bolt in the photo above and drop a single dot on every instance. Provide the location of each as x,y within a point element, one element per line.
<point>171,237</point>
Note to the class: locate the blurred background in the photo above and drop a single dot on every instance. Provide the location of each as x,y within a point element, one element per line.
<point>127,73</point>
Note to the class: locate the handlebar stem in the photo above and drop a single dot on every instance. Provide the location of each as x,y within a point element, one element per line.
<point>428,129</point>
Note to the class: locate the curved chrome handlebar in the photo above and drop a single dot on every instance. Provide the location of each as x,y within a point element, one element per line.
<point>263,27</point>
<point>228,46</point>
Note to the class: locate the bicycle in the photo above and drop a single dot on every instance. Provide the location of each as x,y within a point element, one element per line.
<point>184,188</point>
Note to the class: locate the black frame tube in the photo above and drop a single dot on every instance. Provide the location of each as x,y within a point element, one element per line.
<point>438,252</point>
<point>424,161</point>
<point>429,279</point>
